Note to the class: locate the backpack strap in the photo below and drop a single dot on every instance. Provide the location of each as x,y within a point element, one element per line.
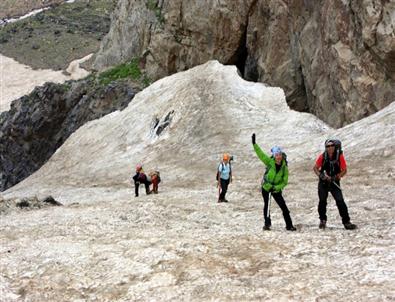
<point>222,168</point>
<point>324,158</point>
<point>332,163</point>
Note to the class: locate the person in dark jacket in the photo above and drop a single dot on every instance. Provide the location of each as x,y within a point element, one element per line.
<point>330,167</point>
<point>141,178</point>
<point>275,180</point>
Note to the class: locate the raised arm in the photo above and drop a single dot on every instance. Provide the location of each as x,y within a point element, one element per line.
<point>261,155</point>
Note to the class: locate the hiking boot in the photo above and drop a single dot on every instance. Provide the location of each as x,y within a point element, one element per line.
<point>291,228</point>
<point>220,200</point>
<point>322,225</point>
<point>266,228</point>
<point>225,200</point>
<point>350,226</point>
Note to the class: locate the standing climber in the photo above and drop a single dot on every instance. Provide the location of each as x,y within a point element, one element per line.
<point>141,178</point>
<point>330,167</point>
<point>274,181</point>
<point>224,177</point>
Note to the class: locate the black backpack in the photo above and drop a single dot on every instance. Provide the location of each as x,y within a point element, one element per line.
<point>338,151</point>
<point>335,161</point>
<point>230,167</point>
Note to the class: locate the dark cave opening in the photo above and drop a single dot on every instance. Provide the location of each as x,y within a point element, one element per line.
<point>240,56</point>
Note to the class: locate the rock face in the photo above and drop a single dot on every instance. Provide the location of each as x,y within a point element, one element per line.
<point>333,58</point>
<point>171,36</point>
<point>37,124</point>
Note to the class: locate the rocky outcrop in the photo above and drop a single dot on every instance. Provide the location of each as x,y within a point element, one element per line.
<point>27,203</point>
<point>175,35</point>
<point>332,58</point>
<point>37,124</point>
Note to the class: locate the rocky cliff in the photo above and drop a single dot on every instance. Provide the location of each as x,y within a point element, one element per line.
<point>38,124</point>
<point>333,58</point>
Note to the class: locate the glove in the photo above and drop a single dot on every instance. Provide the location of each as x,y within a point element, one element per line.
<point>323,176</point>
<point>333,178</point>
<point>253,138</point>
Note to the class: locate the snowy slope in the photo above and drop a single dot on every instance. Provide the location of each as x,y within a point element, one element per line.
<point>106,245</point>
<point>17,80</point>
<point>213,111</point>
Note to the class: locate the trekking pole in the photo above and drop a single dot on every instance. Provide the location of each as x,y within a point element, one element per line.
<point>219,190</point>
<point>337,185</point>
<point>333,182</point>
<point>270,201</point>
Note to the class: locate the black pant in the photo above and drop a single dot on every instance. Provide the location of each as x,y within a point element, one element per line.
<point>323,189</point>
<point>137,184</point>
<point>278,197</point>
<point>224,188</point>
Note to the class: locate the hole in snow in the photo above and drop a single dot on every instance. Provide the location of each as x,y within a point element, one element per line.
<point>159,126</point>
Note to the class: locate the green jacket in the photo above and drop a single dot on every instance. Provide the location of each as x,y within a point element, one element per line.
<point>273,180</point>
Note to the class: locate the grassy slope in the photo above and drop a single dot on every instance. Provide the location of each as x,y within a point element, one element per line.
<point>14,8</point>
<point>52,39</point>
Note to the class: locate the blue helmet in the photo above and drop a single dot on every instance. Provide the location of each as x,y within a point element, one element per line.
<point>276,150</point>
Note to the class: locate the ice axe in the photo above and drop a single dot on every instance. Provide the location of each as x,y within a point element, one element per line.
<point>325,177</point>
<point>333,182</point>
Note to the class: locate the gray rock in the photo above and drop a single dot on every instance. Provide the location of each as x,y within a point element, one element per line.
<point>38,124</point>
<point>171,36</point>
<point>335,59</point>
<point>50,200</point>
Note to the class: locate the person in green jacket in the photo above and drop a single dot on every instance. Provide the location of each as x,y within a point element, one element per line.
<point>274,181</point>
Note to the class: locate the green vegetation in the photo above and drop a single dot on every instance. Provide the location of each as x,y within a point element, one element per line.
<point>128,70</point>
<point>146,81</point>
<point>152,4</point>
<point>65,86</point>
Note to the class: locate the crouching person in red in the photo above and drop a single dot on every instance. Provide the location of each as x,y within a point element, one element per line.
<point>155,179</point>
<point>141,178</point>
